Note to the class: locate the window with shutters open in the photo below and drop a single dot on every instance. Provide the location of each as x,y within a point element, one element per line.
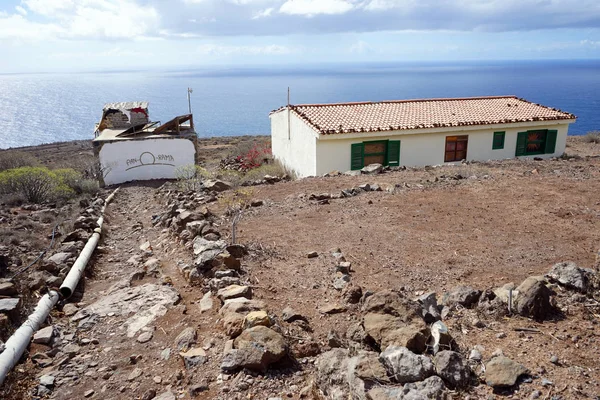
<point>384,152</point>
<point>535,142</point>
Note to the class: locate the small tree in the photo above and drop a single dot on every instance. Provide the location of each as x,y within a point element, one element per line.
<point>236,202</point>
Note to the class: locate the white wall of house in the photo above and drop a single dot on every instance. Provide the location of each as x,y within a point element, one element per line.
<point>147,159</point>
<point>296,149</point>
<point>420,149</point>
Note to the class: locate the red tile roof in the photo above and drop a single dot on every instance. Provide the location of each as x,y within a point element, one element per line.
<point>422,114</point>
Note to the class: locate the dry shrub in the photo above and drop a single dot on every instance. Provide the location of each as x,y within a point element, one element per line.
<point>257,174</point>
<point>10,159</point>
<point>592,137</point>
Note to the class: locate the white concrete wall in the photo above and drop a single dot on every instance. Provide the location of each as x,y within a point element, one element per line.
<point>139,160</point>
<point>297,152</point>
<point>417,150</point>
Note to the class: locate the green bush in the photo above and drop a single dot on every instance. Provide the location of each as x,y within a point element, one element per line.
<point>40,184</point>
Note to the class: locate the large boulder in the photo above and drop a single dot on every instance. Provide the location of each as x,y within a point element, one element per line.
<point>569,275</point>
<point>372,169</point>
<point>534,299</point>
<point>464,296</point>
<point>502,372</point>
<point>217,185</point>
<point>256,348</point>
<point>391,319</point>
<point>405,366</point>
<point>450,366</point>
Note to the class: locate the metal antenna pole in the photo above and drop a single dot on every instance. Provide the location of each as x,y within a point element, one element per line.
<point>189,93</point>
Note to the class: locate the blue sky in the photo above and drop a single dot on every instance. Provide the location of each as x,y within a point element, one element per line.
<point>90,35</point>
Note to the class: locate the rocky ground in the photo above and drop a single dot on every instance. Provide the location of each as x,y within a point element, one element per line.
<point>391,285</point>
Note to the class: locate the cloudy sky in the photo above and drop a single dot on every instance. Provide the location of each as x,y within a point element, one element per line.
<point>82,35</point>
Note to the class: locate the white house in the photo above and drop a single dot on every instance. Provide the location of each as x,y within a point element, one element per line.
<point>313,139</point>
<point>130,147</point>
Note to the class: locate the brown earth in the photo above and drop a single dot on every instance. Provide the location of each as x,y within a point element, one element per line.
<point>497,222</point>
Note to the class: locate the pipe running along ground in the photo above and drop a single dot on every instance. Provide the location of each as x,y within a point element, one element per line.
<point>16,345</point>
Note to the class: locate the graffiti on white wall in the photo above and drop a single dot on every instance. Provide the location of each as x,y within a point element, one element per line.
<point>145,159</point>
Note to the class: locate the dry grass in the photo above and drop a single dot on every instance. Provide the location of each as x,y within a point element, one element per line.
<point>592,137</point>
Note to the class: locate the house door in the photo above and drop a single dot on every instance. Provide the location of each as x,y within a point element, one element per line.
<point>375,152</point>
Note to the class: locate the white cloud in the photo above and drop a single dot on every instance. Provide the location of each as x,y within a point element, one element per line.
<point>67,19</point>
<point>226,50</point>
<point>315,7</point>
<point>17,27</point>
<point>264,13</point>
<point>21,10</point>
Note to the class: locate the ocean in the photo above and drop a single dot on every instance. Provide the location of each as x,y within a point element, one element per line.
<point>230,101</point>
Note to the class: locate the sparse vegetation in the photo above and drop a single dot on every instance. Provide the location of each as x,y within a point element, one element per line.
<point>274,169</point>
<point>236,202</point>
<point>592,137</point>
<point>16,159</point>
<point>40,184</point>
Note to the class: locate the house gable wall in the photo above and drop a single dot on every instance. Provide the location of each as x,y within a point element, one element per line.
<point>296,148</point>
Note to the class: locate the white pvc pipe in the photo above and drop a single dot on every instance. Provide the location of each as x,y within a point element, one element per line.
<point>72,278</point>
<point>15,346</point>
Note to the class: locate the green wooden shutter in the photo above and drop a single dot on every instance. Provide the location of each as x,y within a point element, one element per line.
<point>551,142</point>
<point>498,142</point>
<point>521,144</point>
<point>393,153</point>
<point>357,153</point>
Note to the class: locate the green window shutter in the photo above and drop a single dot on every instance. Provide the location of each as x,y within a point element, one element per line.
<point>498,142</point>
<point>393,153</point>
<point>357,156</point>
<point>551,142</point>
<point>521,144</point>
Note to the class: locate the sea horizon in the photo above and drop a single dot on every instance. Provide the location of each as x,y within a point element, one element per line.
<point>39,108</point>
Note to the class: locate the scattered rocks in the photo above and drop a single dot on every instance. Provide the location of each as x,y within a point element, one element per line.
<point>193,357</point>
<point>391,319</point>
<point>44,335</point>
<point>256,318</point>
<point>534,299</point>
<point>7,289</point>
<point>136,373</point>
<point>149,394</point>
<point>372,169</point>
<point>289,315</point>
<point>569,275</point>
<point>217,185</point>
<point>9,305</point>
<point>465,296</point>
<point>256,348</point>
<point>404,366</point>
<point>47,380</point>
<point>145,337</point>
<point>332,309</point>
<point>185,339</point>
<point>234,291</point>
<point>501,372</point>
<point>450,366</point>
<point>312,254</point>
<point>206,303</point>
<point>71,350</point>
